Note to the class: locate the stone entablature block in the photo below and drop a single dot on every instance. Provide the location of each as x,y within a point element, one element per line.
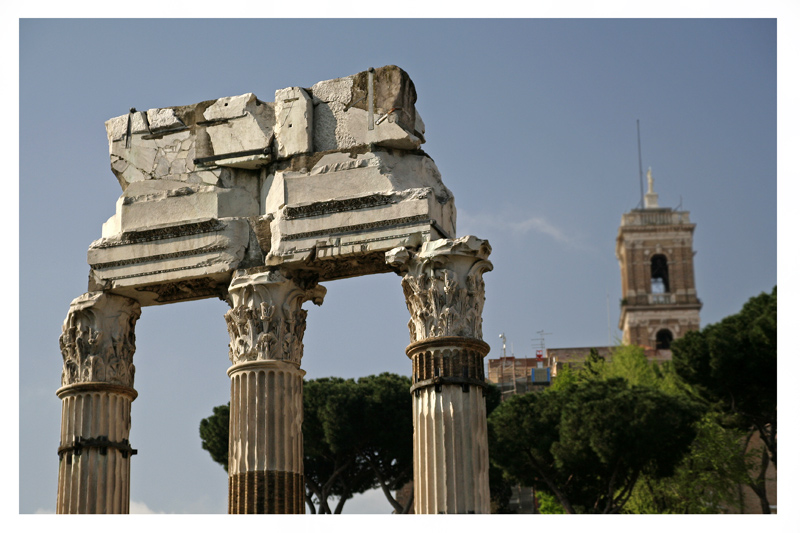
<point>325,179</point>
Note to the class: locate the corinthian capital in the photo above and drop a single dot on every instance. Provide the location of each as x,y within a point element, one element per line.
<point>98,341</point>
<point>443,286</point>
<point>266,320</point>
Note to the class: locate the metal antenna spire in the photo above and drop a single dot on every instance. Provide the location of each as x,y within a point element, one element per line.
<point>641,183</point>
<point>541,334</point>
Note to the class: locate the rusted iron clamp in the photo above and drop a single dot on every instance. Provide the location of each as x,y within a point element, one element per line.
<point>101,442</point>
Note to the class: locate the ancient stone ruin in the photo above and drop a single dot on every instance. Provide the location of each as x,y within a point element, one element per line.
<point>257,203</point>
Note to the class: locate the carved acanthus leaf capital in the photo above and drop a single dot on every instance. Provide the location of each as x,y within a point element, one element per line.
<point>266,321</point>
<point>443,286</point>
<point>98,340</point>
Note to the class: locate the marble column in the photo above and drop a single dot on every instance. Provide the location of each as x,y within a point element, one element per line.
<point>97,344</point>
<point>443,286</point>
<point>265,450</point>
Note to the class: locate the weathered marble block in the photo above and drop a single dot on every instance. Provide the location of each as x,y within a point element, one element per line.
<point>324,179</point>
<point>163,202</point>
<point>170,263</point>
<point>349,205</point>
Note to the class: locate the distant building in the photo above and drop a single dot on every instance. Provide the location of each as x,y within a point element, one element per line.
<point>659,300</point>
<point>558,358</point>
<point>518,375</point>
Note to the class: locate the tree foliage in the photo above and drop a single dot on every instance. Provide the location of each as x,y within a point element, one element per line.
<point>330,464</point>
<point>385,432</point>
<point>705,481</point>
<point>732,364</point>
<point>589,442</point>
<point>500,486</point>
<point>214,434</point>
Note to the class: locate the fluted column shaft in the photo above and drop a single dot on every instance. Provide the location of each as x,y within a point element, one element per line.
<point>443,285</point>
<point>97,345</point>
<point>265,451</point>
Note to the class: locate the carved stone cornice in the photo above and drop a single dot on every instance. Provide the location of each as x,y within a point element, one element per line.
<point>98,340</point>
<point>266,321</point>
<point>443,286</point>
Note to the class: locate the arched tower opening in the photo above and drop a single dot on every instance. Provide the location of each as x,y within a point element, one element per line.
<point>663,339</point>
<point>659,274</point>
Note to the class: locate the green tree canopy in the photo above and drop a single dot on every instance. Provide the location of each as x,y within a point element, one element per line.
<point>214,434</point>
<point>705,481</point>
<point>733,364</point>
<point>386,434</point>
<point>500,487</point>
<point>330,462</point>
<point>708,478</point>
<point>590,441</point>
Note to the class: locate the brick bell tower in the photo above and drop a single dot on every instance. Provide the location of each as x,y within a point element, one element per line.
<point>659,299</point>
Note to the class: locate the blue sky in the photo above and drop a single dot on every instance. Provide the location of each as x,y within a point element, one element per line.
<point>532,124</point>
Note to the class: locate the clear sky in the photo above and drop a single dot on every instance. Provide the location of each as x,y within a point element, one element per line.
<point>532,124</point>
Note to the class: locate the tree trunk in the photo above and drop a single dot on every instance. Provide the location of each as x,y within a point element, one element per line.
<point>398,509</point>
<point>767,434</point>
<point>310,503</point>
<point>759,485</point>
<point>340,505</point>
<point>565,503</point>
<point>410,502</point>
<point>322,495</point>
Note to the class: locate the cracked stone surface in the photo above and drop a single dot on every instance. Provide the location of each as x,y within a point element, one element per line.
<point>317,180</point>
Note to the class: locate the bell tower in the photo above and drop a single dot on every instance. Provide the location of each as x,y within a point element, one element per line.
<point>656,260</point>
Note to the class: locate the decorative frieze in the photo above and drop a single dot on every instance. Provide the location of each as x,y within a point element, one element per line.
<point>443,286</point>
<point>98,340</point>
<point>358,228</point>
<point>266,320</point>
<point>338,206</point>
<point>156,234</point>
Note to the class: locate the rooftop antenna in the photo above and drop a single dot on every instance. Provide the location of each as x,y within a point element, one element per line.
<point>503,336</point>
<point>541,334</point>
<point>680,204</point>
<point>641,183</point>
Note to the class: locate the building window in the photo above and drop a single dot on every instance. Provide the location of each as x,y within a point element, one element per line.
<point>663,339</point>
<point>659,274</point>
